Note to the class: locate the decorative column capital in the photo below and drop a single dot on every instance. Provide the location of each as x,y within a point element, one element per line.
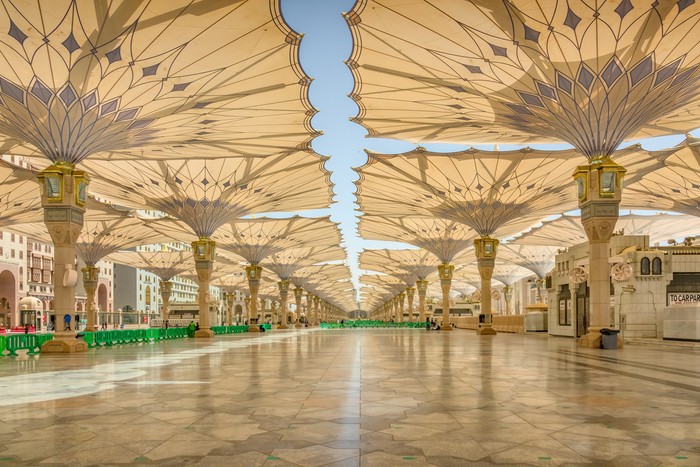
<point>445,271</point>
<point>91,274</point>
<point>253,273</point>
<point>422,287</point>
<point>599,190</point>
<point>298,293</point>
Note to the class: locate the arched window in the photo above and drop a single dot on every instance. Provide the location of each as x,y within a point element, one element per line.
<point>656,266</point>
<point>646,266</point>
<point>148,294</point>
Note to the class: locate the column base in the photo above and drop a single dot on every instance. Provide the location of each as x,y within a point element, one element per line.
<point>485,330</point>
<point>253,328</point>
<point>298,326</point>
<point>64,344</point>
<point>204,333</point>
<point>282,326</point>
<point>446,328</point>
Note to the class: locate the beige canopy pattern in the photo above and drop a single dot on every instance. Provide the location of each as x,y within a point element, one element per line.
<point>537,258</point>
<point>445,239</point>
<point>287,262</point>
<point>256,239</point>
<point>509,274</point>
<point>164,264</point>
<point>232,282</point>
<point>591,74</point>
<point>675,187</point>
<point>205,194</point>
<point>168,79</point>
<point>19,196</point>
<point>419,263</point>
<point>105,230</point>
<point>495,193</point>
<point>566,230</point>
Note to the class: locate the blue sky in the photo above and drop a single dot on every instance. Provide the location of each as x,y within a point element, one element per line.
<point>326,44</point>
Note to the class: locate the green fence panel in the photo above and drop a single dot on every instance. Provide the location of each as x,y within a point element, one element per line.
<point>3,345</point>
<point>30,342</point>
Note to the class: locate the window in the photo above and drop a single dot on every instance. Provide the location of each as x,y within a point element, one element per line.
<point>12,253</point>
<point>12,237</point>
<point>21,254</point>
<point>645,266</point>
<point>656,266</point>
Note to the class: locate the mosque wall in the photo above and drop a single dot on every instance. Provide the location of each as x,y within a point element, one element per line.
<point>656,277</point>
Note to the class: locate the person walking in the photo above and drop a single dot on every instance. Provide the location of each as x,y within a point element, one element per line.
<point>190,329</point>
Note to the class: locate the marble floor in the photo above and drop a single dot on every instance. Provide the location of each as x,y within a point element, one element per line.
<point>354,397</point>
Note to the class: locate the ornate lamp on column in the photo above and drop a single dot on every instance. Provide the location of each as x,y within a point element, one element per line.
<point>599,186</point>
<point>204,251</point>
<point>422,287</point>
<point>63,195</point>
<point>253,274</point>
<point>445,271</point>
<point>486,249</point>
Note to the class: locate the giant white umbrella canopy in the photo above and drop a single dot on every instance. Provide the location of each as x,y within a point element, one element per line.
<point>257,239</point>
<point>589,74</point>
<point>566,230</point>
<point>206,194</point>
<point>165,79</point>
<point>538,259</point>
<point>443,238</point>
<point>287,262</point>
<point>164,264</point>
<point>675,187</point>
<point>106,230</point>
<point>136,81</point>
<point>545,71</point>
<point>19,200</point>
<point>496,193</point>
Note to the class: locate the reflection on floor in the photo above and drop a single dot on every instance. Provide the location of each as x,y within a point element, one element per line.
<point>351,397</point>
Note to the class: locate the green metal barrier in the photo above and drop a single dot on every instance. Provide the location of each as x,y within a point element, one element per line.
<point>373,324</point>
<point>127,336</point>
<point>30,342</point>
<point>229,329</point>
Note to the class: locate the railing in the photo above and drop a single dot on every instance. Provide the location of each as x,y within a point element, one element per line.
<point>229,329</point>
<point>30,342</point>
<point>128,336</point>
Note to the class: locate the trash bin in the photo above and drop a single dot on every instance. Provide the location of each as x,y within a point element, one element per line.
<point>609,338</point>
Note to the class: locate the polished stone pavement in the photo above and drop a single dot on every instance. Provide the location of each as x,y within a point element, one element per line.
<point>354,397</point>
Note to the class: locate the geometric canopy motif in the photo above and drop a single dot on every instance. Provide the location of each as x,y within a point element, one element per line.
<point>207,193</point>
<point>591,74</point>
<point>675,187</point>
<point>494,193</point>
<point>164,264</point>
<point>537,258</point>
<point>567,231</point>
<point>19,196</point>
<point>419,263</point>
<point>105,231</point>
<point>287,262</point>
<point>445,239</point>
<point>126,79</point>
<point>256,239</point>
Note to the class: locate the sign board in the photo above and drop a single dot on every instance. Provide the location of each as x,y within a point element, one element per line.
<point>681,298</point>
